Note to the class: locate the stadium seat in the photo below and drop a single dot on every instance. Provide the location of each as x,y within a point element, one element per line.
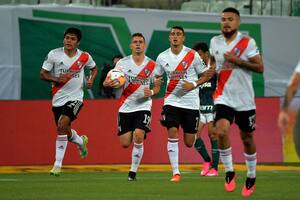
<point>81,2</point>
<point>196,6</point>
<point>29,2</point>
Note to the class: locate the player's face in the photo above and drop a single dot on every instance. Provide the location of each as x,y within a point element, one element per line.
<point>204,56</point>
<point>230,23</point>
<point>176,37</point>
<point>70,42</point>
<point>137,45</point>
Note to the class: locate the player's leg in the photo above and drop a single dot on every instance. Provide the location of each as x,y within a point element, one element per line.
<point>200,147</point>
<point>214,148</point>
<point>223,120</point>
<point>170,120</point>
<point>141,123</point>
<point>246,122</point>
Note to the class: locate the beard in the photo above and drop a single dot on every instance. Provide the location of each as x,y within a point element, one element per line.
<point>229,34</point>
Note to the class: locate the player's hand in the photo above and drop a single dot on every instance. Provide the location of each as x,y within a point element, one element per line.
<point>63,78</point>
<point>158,81</point>
<point>187,86</point>
<point>232,58</point>
<point>111,83</point>
<point>283,120</point>
<point>147,92</point>
<point>210,72</point>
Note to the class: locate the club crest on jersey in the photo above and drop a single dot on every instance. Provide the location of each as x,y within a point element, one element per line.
<point>184,64</point>
<point>79,64</point>
<point>236,51</point>
<point>147,72</point>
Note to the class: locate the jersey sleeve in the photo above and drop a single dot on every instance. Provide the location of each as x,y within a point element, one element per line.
<point>211,48</point>
<point>91,63</point>
<point>297,69</point>
<point>48,63</point>
<point>119,65</point>
<point>252,49</point>
<point>199,64</point>
<point>158,70</point>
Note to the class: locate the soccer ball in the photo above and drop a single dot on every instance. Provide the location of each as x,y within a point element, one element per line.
<point>117,74</point>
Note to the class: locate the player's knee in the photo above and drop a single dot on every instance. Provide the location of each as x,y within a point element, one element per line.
<point>125,145</point>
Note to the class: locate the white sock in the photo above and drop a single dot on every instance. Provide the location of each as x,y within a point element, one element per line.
<point>136,156</point>
<point>251,165</point>
<point>173,154</point>
<point>75,138</point>
<point>226,158</point>
<point>61,146</point>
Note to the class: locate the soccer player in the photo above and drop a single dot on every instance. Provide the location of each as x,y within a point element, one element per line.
<point>135,102</point>
<point>64,67</point>
<point>236,56</point>
<point>207,113</point>
<point>293,85</point>
<point>182,66</point>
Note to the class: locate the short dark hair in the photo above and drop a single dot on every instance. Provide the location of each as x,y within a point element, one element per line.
<point>75,31</point>
<point>137,35</point>
<point>200,46</point>
<point>117,56</point>
<point>232,10</point>
<point>179,28</point>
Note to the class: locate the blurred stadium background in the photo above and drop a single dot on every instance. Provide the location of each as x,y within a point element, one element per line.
<point>30,28</point>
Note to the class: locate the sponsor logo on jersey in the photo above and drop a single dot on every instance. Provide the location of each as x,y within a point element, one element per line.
<point>205,85</point>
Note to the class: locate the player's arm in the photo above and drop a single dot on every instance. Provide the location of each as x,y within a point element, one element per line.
<point>293,85</point>
<point>254,64</point>
<point>46,76</point>
<point>91,77</point>
<point>155,89</point>
<point>205,76</point>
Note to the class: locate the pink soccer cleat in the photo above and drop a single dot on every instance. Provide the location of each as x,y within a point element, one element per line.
<point>212,172</point>
<point>175,178</point>
<point>205,168</point>
<point>230,181</point>
<point>249,187</point>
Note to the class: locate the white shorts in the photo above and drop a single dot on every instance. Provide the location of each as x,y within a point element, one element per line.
<point>205,118</point>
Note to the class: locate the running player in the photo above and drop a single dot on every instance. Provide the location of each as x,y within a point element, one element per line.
<point>64,67</point>
<point>181,103</point>
<point>236,56</point>
<point>135,102</point>
<point>207,115</point>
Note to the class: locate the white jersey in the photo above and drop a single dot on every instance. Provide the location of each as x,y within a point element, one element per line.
<point>57,62</point>
<point>297,69</point>
<point>234,87</point>
<point>137,77</point>
<point>193,66</point>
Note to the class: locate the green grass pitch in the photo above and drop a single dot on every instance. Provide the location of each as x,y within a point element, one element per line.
<point>149,186</point>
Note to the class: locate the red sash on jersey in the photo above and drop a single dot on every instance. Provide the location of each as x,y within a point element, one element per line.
<point>225,74</point>
<point>75,67</point>
<point>182,66</point>
<point>131,88</point>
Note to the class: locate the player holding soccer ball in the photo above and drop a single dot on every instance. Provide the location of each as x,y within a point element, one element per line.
<point>64,67</point>
<point>135,101</point>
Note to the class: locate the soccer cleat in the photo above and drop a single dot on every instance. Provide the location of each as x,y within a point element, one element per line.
<point>249,187</point>
<point>205,168</point>
<point>230,181</point>
<point>175,178</point>
<point>131,176</point>
<point>212,172</point>
<point>83,149</point>
<point>55,171</point>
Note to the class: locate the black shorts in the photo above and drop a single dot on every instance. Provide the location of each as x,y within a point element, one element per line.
<point>131,121</point>
<point>246,120</point>
<point>188,119</point>
<point>70,109</point>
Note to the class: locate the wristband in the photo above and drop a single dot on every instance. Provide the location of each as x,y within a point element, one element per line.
<point>195,84</point>
<point>152,92</point>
